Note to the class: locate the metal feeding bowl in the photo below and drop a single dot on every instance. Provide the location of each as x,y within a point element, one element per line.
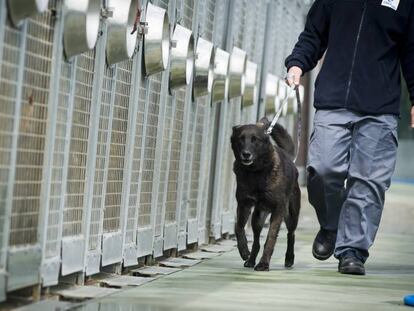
<point>156,40</point>
<point>81,25</point>
<point>182,57</point>
<point>120,44</point>
<point>21,9</point>
<point>237,69</point>
<point>204,68</point>
<point>250,88</point>
<point>220,82</point>
<point>271,89</point>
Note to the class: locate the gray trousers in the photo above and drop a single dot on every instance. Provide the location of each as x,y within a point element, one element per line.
<point>351,161</point>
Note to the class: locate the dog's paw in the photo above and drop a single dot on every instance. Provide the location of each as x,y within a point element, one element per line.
<point>262,266</point>
<point>244,253</point>
<point>249,264</point>
<point>289,262</point>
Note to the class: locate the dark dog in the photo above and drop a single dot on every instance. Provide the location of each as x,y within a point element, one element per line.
<point>267,180</point>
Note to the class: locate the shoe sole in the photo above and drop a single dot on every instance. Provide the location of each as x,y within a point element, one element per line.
<point>352,270</point>
<point>319,257</point>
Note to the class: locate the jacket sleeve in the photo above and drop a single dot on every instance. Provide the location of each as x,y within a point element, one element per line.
<point>313,41</point>
<point>407,56</point>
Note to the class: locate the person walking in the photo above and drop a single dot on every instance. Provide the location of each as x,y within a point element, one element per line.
<point>353,145</point>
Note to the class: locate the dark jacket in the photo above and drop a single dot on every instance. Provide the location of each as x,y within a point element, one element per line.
<point>366,44</point>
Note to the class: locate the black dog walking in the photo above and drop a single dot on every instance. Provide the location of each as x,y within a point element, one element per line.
<point>267,180</point>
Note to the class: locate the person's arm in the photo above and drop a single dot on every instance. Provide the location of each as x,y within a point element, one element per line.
<point>312,42</point>
<point>407,61</point>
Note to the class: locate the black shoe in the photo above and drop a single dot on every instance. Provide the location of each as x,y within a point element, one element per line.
<point>324,244</point>
<point>349,263</point>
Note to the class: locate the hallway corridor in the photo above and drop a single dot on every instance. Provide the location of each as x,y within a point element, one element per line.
<point>221,283</point>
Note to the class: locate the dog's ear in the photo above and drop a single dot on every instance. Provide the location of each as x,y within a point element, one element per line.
<point>264,122</point>
<point>236,128</point>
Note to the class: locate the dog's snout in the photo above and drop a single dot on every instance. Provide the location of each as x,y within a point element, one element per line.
<point>246,155</point>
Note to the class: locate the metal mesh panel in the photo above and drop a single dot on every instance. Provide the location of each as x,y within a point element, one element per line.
<point>213,122</point>
<point>32,130</point>
<point>209,19</point>
<point>101,158</point>
<point>162,186</point>
<point>171,201</point>
<point>117,148</point>
<point>161,3</point>
<point>196,165</point>
<point>73,212</point>
<point>8,93</point>
<point>239,22</point>
<point>187,167</point>
<point>188,11</point>
<point>228,176</point>
<point>144,218</point>
<point>58,161</point>
<point>136,165</point>
<point>219,22</point>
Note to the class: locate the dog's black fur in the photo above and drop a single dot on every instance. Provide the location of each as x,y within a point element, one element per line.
<point>267,180</point>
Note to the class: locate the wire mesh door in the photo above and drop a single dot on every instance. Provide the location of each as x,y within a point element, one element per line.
<point>170,236</point>
<point>185,16</point>
<point>28,53</point>
<point>206,20</point>
<point>112,221</point>
<point>74,213</point>
<point>101,167</point>
<point>56,153</point>
<point>137,160</point>
<point>145,213</point>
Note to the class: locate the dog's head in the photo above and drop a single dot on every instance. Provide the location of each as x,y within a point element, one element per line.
<point>251,144</point>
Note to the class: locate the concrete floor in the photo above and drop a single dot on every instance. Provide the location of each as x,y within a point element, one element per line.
<point>223,284</point>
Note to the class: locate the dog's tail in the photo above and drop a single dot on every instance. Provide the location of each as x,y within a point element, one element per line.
<point>281,137</point>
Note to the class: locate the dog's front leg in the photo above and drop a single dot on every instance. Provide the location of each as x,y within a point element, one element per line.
<point>243,213</point>
<point>275,222</point>
<point>258,220</point>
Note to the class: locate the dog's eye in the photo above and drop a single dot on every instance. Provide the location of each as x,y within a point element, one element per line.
<point>242,138</point>
<point>253,139</point>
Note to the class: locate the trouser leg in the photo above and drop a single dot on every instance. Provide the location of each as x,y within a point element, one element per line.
<point>328,164</point>
<point>372,162</point>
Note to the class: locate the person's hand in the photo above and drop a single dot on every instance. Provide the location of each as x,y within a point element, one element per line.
<point>412,117</point>
<point>293,76</point>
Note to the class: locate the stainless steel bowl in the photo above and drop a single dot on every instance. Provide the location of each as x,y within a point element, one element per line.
<point>220,82</point>
<point>81,25</point>
<point>21,9</point>
<point>250,88</point>
<point>237,69</point>
<point>204,68</point>
<point>120,44</point>
<point>182,57</point>
<point>156,40</point>
<point>271,89</point>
